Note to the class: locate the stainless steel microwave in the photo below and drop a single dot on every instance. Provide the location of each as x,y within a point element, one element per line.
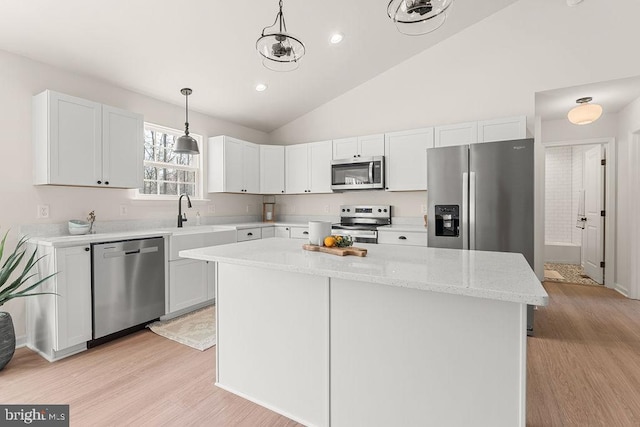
<point>358,173</point>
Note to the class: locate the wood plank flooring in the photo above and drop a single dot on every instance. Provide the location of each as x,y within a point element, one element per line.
<point>583,365</point>
<point>583,370</point>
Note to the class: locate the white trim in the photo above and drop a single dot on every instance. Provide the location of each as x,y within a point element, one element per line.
<point>634,205</point>
<point>610,202</point>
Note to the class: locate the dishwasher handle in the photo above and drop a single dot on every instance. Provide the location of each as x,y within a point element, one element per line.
<point>118,254</point>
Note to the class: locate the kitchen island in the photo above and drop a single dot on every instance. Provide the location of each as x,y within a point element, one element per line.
<point>404,336</point>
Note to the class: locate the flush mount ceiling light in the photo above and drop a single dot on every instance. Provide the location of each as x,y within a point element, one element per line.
<point>336,38</point>
<point>261,87</point>
<point>572,3</point>
<point>417,17</point>
<point>584,113</point>
<point>186,144</point>
<point>280,51</point>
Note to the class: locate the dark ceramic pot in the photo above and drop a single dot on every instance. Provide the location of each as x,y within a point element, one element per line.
<point>7,339</point>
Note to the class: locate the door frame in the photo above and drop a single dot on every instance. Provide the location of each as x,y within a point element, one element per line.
<point>610,200</point>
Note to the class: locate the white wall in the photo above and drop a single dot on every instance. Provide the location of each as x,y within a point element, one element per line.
<point>22,78</point>
<point>492,69</point>
<point>558,192</point>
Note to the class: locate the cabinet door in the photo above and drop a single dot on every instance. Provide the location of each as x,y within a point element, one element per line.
<point>281,231</point>
<point>406,159</point>
<point>233,170</point>
<point>371,145</point>
<point>122,148</point>
<point>268,232</point>
<point>271,169</point>
<point>458,134</point>
<point>345,148</point>
<point>188,284</point>
<point>211,279</point>
<point>75,140</point>
<point>296,169</point>
<point>506,129</point>
<point>73,303</point>
<point>320,167</point>
<point>251,165</point>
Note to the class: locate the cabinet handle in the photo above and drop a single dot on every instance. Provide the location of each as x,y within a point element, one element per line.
<point>99,182</point>
<point>305,232</point>
<point>386,188</point>
<point>249,234</point>
<point>87,249</point>
<point>106,183</point>
<point>287,228</point>
<point>402,238</point>
<point>282,191</point>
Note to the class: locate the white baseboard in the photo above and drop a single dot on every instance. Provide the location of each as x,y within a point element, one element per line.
<point>621,289</point>
<point>21,341</point>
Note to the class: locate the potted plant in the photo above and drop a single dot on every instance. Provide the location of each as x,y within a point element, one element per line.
<point>13,288</point>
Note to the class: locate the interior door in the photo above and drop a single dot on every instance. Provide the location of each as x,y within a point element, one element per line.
<point>593,233</point>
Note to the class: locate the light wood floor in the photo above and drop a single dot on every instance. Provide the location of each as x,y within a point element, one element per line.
<point>583,370</point>
<point>584,362</point>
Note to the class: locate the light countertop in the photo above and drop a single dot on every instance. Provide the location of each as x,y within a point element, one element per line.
<point>493,275</point>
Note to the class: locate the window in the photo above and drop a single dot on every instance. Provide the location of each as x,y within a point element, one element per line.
<point>166,172</point>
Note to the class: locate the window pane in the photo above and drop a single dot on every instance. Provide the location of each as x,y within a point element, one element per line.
<point>150,172</point>
<point>150,187</point>
<point>189,189</point>
<point>170,188</point>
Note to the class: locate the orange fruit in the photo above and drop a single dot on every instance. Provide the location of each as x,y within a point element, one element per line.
<point>329,241</point>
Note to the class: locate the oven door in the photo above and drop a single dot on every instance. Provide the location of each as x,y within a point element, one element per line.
<point>357,174</point>
<point>358,236</point>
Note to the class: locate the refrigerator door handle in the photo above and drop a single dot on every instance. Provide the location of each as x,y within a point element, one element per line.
<point>472,210</point>
<point>465,215</point>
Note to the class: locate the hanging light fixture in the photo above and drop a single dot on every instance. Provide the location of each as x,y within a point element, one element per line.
<point>585,112</point>
<point>186,144</point>
<point>417,17</point>
<point>280,51</point>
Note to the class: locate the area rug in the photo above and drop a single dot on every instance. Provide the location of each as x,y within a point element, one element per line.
<point>567,273</point>
<point>196,329</point>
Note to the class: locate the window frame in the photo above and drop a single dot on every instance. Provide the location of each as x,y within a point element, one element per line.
<point>198,169</point>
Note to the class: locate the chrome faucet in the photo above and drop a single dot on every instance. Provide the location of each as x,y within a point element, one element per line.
<point>182,217</point>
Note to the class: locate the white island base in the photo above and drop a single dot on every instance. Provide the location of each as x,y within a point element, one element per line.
<point>345,353</point>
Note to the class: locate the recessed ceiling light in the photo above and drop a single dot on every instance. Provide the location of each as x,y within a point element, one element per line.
<point>572,3</point>
<point>261,87</point>
<point>336,38</point>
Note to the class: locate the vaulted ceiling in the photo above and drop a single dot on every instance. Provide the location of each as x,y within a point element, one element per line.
<point>156,47</point>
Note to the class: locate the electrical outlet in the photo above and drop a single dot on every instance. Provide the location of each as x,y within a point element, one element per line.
<point>211,208</point>
<point>124,210</point>
<point>43,211</point>
<point>424,209</point>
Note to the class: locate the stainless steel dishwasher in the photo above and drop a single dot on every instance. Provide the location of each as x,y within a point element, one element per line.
<point>128,284</point>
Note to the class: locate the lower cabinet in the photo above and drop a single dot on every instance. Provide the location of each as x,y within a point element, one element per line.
<point>60,325</point>
<point>249,234</point>
<point>190,283</point>
<point>299,232</point>
<point>281,231</point>
<point>407,238</point>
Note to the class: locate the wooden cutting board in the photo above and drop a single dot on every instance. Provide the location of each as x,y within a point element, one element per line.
<point>349,250</point>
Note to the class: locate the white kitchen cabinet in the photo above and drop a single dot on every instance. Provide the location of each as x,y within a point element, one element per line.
<point>281,231</point>
<point>271,169</point>
<point>406,159</point>
<point>456,134</point>
<point>299,233</point>
<point>405,238</point>
<point>268,232</point>
<point>233,166</point>
<point>83,143</point>
<point>308,167</point>
<point>249,234</point>
<point>361,146</point>
<point>505,129</point>
<point>60,325</point>
<point>189,284</point>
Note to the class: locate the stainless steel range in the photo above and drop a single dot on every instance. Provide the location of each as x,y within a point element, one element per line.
<point>361,222</point>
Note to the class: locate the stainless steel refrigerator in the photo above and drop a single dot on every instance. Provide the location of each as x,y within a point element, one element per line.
<point>480,196</point>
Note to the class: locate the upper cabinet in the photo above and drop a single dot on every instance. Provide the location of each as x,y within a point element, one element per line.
<point>233,166</point>
<point>458,134</point>
<point>271,169</point>
<point>83,143</point>
<point>361,146</point>
<point>406,159</point>
<point>502,129</point>
<point>308,167</point>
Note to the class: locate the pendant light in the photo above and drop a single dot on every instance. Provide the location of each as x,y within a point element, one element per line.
<point>280,51</point>
<point>585,112</point>
<point>186,144</point>
<point>417,17</point>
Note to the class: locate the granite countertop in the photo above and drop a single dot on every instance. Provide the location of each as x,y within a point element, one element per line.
<point>492,275</point>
